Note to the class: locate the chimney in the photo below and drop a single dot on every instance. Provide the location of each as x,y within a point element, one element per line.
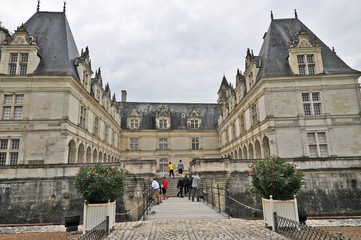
<point>124,96</point>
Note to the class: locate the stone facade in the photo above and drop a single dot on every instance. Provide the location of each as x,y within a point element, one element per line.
<point>332,185</point>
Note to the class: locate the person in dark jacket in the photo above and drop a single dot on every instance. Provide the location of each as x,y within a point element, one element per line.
<point>187,183</point>
<point>180,185</point>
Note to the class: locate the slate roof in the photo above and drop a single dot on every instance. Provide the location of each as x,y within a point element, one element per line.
<point>148,111</point>
<point>274,55</point>
<point>57,47</point>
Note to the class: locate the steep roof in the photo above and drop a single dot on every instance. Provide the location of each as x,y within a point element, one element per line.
<point>57,47</point>
<point>274,51</point>
<point>224,83</point>
<point>178,113</point>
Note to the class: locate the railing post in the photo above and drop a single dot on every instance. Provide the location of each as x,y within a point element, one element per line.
<point>219,199</point>
<point>212,195</point>
<point>274,224</point>
<point>207,193</point>
<point>226,208</point>
<point>108,225</point>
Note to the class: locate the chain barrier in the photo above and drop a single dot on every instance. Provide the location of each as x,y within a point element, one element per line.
<point>244,205</point>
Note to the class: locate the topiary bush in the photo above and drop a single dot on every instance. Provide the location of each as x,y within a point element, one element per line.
<point>273,176</point>
<point>100,183</point>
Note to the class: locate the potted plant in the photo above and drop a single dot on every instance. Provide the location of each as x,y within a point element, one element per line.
<point>100,185</point>
<point>277,182</point>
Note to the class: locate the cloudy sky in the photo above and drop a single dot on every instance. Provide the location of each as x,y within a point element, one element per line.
<point>178,50</point>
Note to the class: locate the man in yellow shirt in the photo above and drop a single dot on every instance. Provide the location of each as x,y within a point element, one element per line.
<point>170,166</point>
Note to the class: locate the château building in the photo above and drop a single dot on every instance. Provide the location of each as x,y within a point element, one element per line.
<point>296,98</point>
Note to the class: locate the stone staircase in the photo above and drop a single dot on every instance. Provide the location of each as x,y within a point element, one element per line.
<point>172,186</point>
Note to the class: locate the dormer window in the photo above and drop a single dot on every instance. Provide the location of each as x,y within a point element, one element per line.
<point>306,67</point>
<point>194,123</point>
<point>16,66</point>
<point>134,123</point>
<point>163,123</point>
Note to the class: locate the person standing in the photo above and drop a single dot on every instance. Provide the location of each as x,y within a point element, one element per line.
<point>180,167</point>
<point>156,189</point>
<point>180,185</point>
<point>187,183</point>
<point>165,187</point>
<point>170,166</point>
<point>195,186</point>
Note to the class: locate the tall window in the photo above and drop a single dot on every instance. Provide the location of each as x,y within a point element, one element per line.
<point>82,117</point>
<point>254,115</point>
<point>194,123</point>
<point>106,133</point>
<point>195,143</point>
<point>243,127</point>
<point>18,61</point>
<point>133,144</point>
<point>134,123</point>
<point>311,104</point>
<point>13,107</point>
<point>317,144</point>
<point>163,164</point>
<point>9,151</point>
<point>306,64</point>
<point>163,144</point>
<point>163,123</point>
<point>96,126</point>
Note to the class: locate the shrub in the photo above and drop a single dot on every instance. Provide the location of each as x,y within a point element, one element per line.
<point>100,183</point>
<point>273,176</point>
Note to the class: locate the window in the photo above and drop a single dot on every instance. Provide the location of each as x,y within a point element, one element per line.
<point>13,57</point>
<point>106,133</point>
<point>96,126</point>
<point>300,59</point>
<point>310,58</point>
<point>163,144</point>
<point>302,70</point>
<point>9,151</point>
<point>15,64</point>
<point>163,164</point>
<point>306,68</point>
<point>254,115</point>
<point>13,107</point>
<point>163,123</point>
<point>317,144</point>
<point>82,117</point>
<point>311,69</point>
<point>311,106</point>
<point>194,123</point>
<point>243,128</point>
<point>12,69</point>
<point>195,143</point>
<point>134,123</point>
<point>133,144</point>
<point>23,57</point>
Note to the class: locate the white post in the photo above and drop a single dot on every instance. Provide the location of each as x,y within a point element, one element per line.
<point>84,218</point>
<point>296,208</point>
<point>271,214</point>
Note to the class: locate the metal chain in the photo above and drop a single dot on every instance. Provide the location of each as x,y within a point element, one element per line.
<point>245,205</point>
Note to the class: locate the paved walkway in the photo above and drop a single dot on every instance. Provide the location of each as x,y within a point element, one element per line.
<point>179,218</point>
<point>176,208</point>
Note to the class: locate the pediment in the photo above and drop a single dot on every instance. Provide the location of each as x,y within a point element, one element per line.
<point>303,40</point>
<point>163,113</point>
<point>20,37</point>
<point>194,114</point>
<point>134,113</point>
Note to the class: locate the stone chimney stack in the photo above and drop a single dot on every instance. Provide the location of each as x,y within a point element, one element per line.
<point>124,96</point>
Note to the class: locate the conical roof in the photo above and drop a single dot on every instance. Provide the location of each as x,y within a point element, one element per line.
<point>57,47</point>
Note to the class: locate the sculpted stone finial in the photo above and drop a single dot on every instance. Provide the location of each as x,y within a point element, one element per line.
<point>271,15</point>
<point>296,14</point>
<point>38,7</point>
<point>64,6</point>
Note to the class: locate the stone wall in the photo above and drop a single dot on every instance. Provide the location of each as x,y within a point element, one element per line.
<point>50,196</point>
<point>332,185</point>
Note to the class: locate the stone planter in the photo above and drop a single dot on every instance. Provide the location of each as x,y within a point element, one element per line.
<point>96,213</point>
<point>284,208</point>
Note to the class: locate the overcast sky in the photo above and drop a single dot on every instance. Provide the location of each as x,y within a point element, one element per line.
<point>178,50</point>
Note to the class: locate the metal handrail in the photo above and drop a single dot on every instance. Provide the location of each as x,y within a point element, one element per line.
<point>147,199</point>
<point>215,192</point>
